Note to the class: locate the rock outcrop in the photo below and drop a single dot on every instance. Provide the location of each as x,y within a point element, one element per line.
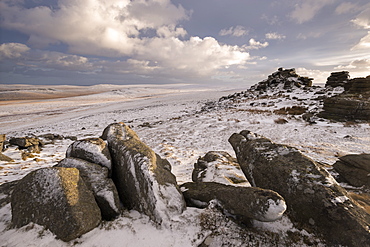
<point>96,179</point>
<point>283,79</point>
<point>314,199</point>
<point>144,180</point>
<point>94,150</point>
<point>355,169</point>
<point>241,203</point>
<point>58,199</point>
<point>338,79</point>
<point>352,104</point>
<point>218,166</point>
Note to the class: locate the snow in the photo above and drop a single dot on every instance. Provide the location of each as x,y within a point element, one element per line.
<point>339,199</point>
<point>93,151</point>
<point>180,132</point>
<point>275,210</point>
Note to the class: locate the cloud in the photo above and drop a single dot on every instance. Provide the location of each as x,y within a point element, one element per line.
<point>363,44</point>
<point>23,56</point>
<point>237,31</point>
<point>145,34</point>
<point>273,20</point>
<point>356,65</point>
<point>363,19</point>
<point>346,7</point>
<point>274,36</point>
<point>255,45</point>
<point>306,10</point>
<point>12,50</point>
<point>320,76</point>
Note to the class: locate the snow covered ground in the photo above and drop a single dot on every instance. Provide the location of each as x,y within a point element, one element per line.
<point>170,120</point>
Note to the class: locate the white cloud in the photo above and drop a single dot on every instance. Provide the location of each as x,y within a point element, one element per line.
<point>145,33</point>
<point>306,10</point>
<point>357,65</point>
<point>255,45</point>
<point>274,36</point>
<point>12,50</point>
<point>346,7</point>
<point>237,31</point>
<point>363,44</point>
<point>319,76</point>
<point>363,19</point>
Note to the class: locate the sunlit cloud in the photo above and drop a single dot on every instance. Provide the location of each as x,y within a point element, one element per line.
<point>255,45</point>
<point>362,65</point>
<point>144,32</point>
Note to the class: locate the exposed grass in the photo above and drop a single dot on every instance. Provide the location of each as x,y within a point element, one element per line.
<point>294,110</point>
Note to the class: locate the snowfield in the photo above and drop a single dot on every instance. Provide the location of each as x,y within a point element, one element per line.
<point>174,122</point>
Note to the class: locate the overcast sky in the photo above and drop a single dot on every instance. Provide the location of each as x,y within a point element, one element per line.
<point>85,42</point>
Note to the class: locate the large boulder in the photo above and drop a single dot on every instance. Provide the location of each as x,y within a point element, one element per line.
<point>144,180</point>
<point>6,190</point>
<point>218,166</point>
<point>58,199</point>
<point>355,169</point>
<point>96,179</point>
<point>242,203</point>
<point>94,150</point>
<point>314,199</point>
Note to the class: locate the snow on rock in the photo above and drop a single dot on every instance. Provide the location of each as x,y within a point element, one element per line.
<point>242,203</point>
<point>143,179</point>
<point>96,179</point>
<point>94,150</point>
<point>58,199</point>
<point>304,185</point>
<point>218,166</point>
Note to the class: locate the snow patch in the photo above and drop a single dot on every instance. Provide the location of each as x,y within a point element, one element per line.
<point>339,199</point>
<point>275,210</point>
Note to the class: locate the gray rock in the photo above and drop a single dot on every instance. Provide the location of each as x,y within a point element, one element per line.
<point>58,199</point>
<point>32,144</point>
<point>94,150</point>
<point>219,166</point>
<point>6,190</point>
<point>242,203</point>
<point>355,169</point>
<point>144,180</point>
<point>314,199</point>
<point>96,179</point>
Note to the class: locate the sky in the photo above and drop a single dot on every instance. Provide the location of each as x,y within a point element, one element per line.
<point>220,42</point>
